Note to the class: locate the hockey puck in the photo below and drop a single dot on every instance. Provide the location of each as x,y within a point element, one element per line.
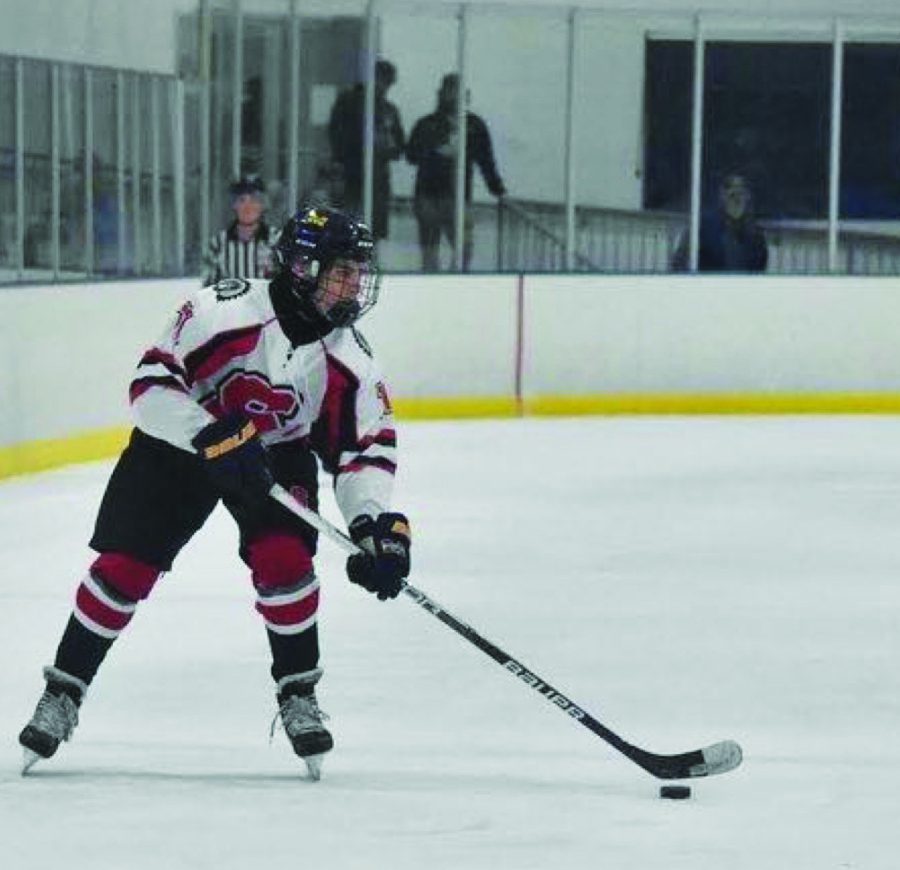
<point>675,792</point>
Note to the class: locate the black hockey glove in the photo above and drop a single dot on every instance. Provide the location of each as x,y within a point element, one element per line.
<point>235,460</point>
<point>385,563</point>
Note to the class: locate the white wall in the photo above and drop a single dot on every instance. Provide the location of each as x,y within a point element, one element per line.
<point>120,33</point>
<point>67,353</point>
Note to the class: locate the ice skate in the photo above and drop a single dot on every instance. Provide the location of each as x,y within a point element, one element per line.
<point>54,719</point>
<point>302,719</point>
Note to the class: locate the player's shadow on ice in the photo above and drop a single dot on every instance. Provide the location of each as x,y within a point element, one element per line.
<point>383,781</point>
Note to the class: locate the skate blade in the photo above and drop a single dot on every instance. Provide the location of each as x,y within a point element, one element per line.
<point>314,766</point>
<point>29,759</point>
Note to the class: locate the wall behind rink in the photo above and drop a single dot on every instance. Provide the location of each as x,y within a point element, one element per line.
<point>479,345</point>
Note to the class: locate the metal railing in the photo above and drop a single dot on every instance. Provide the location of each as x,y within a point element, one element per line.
<point>531,238</point>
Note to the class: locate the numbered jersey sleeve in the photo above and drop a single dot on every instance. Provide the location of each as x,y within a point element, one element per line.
<point>207,333</point>
<point>355,436</point>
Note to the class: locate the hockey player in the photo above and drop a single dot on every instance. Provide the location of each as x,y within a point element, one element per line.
<point>252,382</point>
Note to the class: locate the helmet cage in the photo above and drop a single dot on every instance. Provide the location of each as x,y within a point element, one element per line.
<point>341,292</point>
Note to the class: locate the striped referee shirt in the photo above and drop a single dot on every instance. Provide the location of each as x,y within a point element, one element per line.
<point>228,257</point>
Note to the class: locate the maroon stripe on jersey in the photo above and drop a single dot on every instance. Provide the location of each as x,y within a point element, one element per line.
<point>384,438</point>
<point>335,432</point>
<point>362,462</point>
<point>139,386</point>
<point>157,356</point>
<point>288,615</point>
<point>209,358</point>
<point>102,614</point>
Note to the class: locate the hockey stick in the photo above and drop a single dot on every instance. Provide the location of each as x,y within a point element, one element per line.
<point>714,759</point>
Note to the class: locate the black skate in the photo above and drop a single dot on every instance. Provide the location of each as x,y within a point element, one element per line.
<point>302,719</point>
<point>54,719</point>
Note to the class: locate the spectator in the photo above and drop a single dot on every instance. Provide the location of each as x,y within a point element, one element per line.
<point>346,130</point>
<point>730,238</point>
<point>244,248</point>
<point>433,147</point>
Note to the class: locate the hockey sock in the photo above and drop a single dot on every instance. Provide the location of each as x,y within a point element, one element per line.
<point>81,651</point>
<point>294,653</point>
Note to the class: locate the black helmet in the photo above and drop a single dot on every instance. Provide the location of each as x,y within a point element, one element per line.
<point>251,184</point>
<point>312,241</point>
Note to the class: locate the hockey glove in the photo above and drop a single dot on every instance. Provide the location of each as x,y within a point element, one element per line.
<point>235,459</point>
<point>385,563</point>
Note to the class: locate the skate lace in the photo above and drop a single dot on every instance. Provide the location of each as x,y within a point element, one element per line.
<point>297,715</point>
<point>56,715</point>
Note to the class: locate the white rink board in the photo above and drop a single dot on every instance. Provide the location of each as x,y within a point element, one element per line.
<point>734,334</point>
<point>440,337</point>
<point>68,352</point>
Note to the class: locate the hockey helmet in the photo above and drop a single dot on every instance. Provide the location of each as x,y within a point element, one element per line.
<point>328,257</point>
<point>247,185</point>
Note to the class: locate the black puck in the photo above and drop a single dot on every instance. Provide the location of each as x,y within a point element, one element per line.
<point>675,792</point>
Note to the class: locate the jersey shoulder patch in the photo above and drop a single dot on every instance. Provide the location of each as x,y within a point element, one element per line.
<point>231,288</point>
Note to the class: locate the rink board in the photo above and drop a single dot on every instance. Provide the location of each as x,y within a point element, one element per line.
<point>487,346</point>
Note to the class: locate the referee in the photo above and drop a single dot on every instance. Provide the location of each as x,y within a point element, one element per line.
<point>243,249</point>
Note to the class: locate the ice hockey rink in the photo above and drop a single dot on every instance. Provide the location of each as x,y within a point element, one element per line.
<point>683,579</point>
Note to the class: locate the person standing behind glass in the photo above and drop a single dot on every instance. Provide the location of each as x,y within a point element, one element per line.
<point>244,248</point>
<point>432,148</point>
<point>346,132</point>
<point>730,238</point>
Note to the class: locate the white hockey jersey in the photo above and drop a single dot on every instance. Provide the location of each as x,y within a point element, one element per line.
<point>225,352</point>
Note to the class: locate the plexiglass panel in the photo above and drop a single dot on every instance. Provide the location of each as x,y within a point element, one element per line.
<point>870,159</point>
<point>72,177</point>
<point>518,66</point>
<point>410,243</point>
<point>37,130</point>
<point>105,171</point>
<point>9,254</point>
<point>599,182</point>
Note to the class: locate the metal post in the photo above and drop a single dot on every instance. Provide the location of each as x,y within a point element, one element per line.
<point>138,250</point>
<point>461,108</point>
<point>88,171</point>
<point>237,89</point>
<point>176,111</point>
<point>570,140</point>
<point>155,181</point>
<point>205,87</point>
<point>54,171</point>
<point>120,170</point>
<point>369,114</point>
<point>293,187</point>
<point>20,168</point>
<point>834,172</point>
<point>697,141</point>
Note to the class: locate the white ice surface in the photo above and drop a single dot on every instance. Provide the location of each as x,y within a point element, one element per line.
<point>684,580</point>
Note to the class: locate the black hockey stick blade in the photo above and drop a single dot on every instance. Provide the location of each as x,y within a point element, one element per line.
<point>714,759</point>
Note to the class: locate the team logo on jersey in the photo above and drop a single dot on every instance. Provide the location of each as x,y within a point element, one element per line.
<point>231,288</point>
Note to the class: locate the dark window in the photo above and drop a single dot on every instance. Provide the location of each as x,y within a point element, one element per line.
<point>766,115</point>
<point>870,132</point>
